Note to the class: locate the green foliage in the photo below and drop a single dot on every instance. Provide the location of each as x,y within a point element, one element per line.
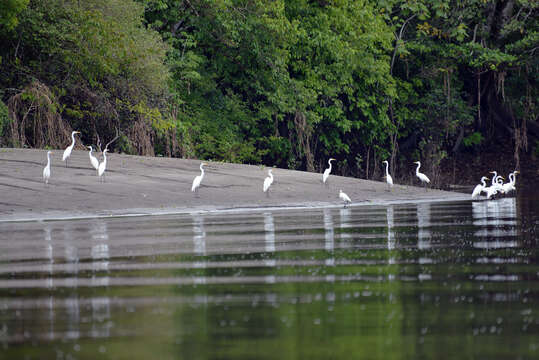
<point>4,119</point>
<point>9,11</point>
<point>97,57</point>
<point>473,139</point>
<point>286,83</point>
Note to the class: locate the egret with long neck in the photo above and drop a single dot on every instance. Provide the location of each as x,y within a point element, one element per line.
<point>422,177</point>
<point>267,182</point>
<point>47,169</point>
<point>103,166</point>
<point>389,179</point>
<point>198,179</point>
<point>479,187</point>
<point>93,159</point>
<point>69,149</point>
<point>327,172</point>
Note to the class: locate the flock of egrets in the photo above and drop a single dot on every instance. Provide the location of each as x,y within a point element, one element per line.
<point>98,166</point>
<point>497,186</point>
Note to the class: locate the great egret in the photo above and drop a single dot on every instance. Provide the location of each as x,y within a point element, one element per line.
<point>103,166</point>
<point>327,171</point>
<point>344,198</point>
<point>93,159</point>
<point>499,184</point>
<point>495,186</point>
<point>479,188</point>
<point>69,149</point>
<point>267,182</point>
<point>510,186</point>
<point>424,179</point>
<point>389,179</point>
<point>491,191</point>
<point>47,169</point>
<point>496,182</point>
<point>198,179</point>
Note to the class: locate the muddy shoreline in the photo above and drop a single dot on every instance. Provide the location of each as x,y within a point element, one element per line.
<point>137,185</point>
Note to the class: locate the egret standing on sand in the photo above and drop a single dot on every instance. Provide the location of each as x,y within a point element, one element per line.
<point>479,188</point>
<point>47,169</point>
<point>327,171</point>
<point>93,159</point>
<point>103,166</point>
<point>69,149</point>
<point>424,179</point>
<point>344,198</point>
<point>267,182</point>
<point>389,179</point>
<point>198,179</point>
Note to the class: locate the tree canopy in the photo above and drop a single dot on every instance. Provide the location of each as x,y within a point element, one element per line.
<point>286,83</point>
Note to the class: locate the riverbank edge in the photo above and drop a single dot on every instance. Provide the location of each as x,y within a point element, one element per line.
<point>139,212</point>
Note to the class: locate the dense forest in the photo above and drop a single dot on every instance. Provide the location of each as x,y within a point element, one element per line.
<point>288,83</point>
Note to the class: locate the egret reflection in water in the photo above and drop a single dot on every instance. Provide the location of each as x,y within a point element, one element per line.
<point>269,232</point>
<point>423,226</point>
<point>262,278</point>
<point>329,236</point>
<point>100,252</point>
<point>346,223</point>
<point>495,219</point>
<point>199,235</point>
<point>390,225</point>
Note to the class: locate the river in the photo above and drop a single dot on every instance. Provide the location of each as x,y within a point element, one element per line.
<point>404,281</point>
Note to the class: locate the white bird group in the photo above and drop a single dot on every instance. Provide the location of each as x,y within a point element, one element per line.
<point>99,167</point>
<point>496,186</point>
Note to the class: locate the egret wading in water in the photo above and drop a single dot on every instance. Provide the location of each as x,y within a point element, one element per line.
<point>103,166</point>
<point>495,187</point>
<point>327,171</point>
<point>47,169</point>
<point>344,198</point>
<point>267,182</point>
<point>198,179</point>
<point>479,187</point>
<point>422,177</point>
<point>510,186</point>
<point>389,179</point>
<point>497,183</point>
<point>69,149</point>
<point>93,159</point>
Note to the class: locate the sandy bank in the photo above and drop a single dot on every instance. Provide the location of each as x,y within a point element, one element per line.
<point>144,185</point>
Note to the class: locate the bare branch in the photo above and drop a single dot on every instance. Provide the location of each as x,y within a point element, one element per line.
<point>116,137</point>
<point>398,38</point>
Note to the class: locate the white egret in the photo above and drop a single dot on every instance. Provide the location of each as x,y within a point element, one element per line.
<point>198,179</point>
<point>479,188</point>
<point>267,182</point>
<point>47,169</point>
<point>496,182</point>
<point>103,166</point>
<point>491,191</point>
<point>389,179</point>
<point>510,186</point>
<point>327,171</point>
<point>344,198</point>
<point>424,179</point>
<point>495,187</point>
<point>499,184</point>
<point>93,159</point>
<point>69,149</point>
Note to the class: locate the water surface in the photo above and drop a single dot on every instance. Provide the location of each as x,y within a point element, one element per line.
<point>428,280</point>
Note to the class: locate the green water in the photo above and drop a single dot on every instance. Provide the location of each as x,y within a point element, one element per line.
<point>430,280</point>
